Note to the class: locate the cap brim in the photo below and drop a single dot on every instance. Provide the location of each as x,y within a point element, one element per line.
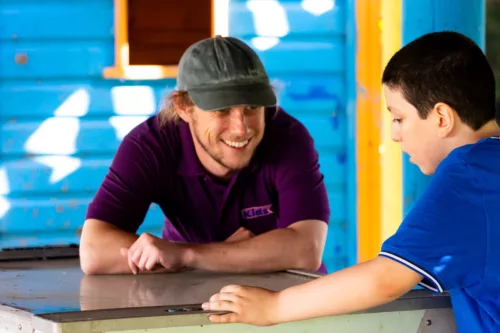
<point>216,98</point>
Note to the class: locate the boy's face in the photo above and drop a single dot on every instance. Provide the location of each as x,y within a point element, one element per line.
<point>419,138</point>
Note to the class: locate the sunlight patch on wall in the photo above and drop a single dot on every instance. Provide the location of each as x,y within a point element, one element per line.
<point>57,136</point>
<point>270,22</point>
<point>4,190</point>
<point>4,206</point>
<point>124,124</point>
<point>133,105</point>
<point>62,166</point>
<point>317,7</point>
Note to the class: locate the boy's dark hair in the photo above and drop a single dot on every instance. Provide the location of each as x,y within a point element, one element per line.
<point>444,67</point>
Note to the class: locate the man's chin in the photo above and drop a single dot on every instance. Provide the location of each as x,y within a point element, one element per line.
<point>236,165</point>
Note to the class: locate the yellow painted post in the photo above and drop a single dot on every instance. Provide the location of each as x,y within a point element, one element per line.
<point>368,75</point>
<point>390,152</point>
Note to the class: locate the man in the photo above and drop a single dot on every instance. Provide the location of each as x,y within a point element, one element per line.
<point>440,91</point>
<point>236,177</point>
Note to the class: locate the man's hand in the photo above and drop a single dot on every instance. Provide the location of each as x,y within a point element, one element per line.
<point>150,253</point>
<point>249,305</point>
<point>240,235</point>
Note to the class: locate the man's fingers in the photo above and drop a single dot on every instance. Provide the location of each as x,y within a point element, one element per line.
<point>142,261</point>
<point>133,266</point>
<point>131,262</point>
<point>150,263</point>
<point>224,319</point>
<point>126,253</point>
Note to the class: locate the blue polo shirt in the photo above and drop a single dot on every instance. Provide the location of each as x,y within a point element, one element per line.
<point>452,235</point>
<point>157,163</point>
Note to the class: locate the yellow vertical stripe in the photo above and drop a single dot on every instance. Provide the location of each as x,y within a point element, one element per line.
<point>368,74</point>
<point>391,158</point>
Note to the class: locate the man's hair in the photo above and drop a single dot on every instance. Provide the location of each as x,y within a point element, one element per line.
<point>444,67</point>
<point>168,112</point>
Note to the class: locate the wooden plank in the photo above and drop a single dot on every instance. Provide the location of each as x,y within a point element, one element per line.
<point>67,20</point>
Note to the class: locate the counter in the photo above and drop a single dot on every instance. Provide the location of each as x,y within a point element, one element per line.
<point>54,296</point>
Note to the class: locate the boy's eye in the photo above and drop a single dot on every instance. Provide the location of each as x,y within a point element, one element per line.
<point>396,120</point>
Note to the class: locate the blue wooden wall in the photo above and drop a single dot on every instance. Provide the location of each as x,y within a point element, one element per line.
<point>61,122</point>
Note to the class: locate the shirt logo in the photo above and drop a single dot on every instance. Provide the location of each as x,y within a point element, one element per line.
<point>253,212</point>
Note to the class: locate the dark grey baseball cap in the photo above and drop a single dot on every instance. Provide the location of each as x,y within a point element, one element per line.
<point>221,72</point>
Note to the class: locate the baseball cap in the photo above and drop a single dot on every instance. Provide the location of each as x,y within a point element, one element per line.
<point>221,72</point>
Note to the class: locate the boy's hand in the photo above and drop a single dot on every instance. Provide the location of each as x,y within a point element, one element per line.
<point>249,305</point>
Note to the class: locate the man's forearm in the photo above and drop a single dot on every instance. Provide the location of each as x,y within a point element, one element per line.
<point>100,248</point>
<point>276,250</point>
<point>356,288</point>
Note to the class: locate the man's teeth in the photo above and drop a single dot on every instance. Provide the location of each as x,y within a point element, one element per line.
<point>235,144</point>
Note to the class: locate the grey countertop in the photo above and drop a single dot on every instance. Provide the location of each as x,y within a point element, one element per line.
<point>58,290</point>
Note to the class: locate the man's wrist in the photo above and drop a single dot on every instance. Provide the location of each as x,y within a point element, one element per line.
<point>188,255</point>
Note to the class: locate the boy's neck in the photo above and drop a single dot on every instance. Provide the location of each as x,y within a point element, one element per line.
<point>469,136</point>
<point>488,130</point>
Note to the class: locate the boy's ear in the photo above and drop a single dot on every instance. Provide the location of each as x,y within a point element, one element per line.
<point>445,119</point>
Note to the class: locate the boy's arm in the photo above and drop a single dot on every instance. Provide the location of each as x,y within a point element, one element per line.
<point>356,288</point>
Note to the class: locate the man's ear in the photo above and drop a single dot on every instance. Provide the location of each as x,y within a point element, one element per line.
<point>445,118</point>
<point>183,110</point>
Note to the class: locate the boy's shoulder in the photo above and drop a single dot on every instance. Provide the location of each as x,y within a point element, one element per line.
<point>482,156</point>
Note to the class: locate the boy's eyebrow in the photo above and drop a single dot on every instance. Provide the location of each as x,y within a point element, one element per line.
<point>393,109</point>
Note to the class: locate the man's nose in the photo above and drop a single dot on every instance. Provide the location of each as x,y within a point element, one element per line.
<point>238,123</point>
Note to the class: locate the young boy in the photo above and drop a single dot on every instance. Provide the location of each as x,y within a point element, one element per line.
<point>440,91</point>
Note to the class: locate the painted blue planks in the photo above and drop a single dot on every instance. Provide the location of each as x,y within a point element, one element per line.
<point>36,222</point>
<point>45,214</point>
<point>105,98</point>
<point>60,176</point>
<point>55,60</point>
<point>56,20</point>
<point>298,21</point>
<point>311,94</point>
<point>307,57</point>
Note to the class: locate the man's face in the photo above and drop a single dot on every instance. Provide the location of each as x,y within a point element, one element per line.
<point>418,137</point>
<point>226,140</point>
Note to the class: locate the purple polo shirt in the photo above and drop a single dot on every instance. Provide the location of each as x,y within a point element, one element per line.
<point>158,164</point>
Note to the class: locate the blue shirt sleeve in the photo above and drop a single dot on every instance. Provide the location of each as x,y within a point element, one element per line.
<point>443,237</point>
